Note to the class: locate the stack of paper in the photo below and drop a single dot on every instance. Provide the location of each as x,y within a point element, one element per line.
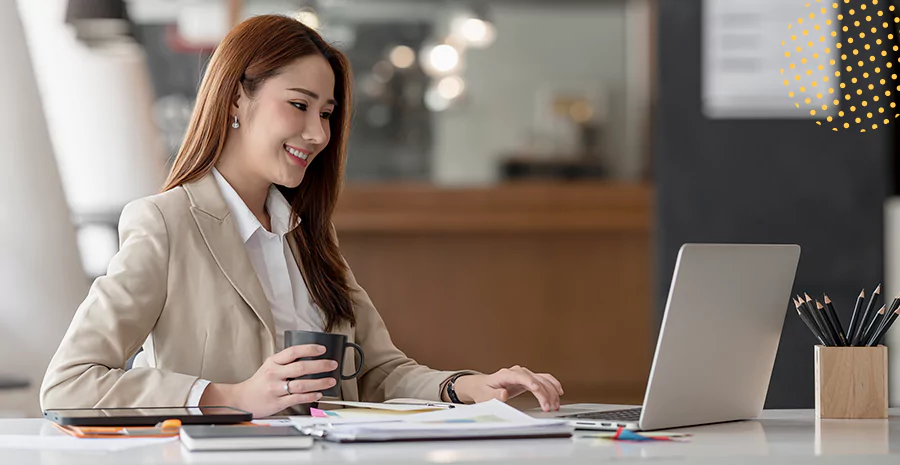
<point>370,410</point>
<point>492,419</point>
<point>396,405</point>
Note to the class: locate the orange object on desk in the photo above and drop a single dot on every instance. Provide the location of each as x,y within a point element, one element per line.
<point>168,428</point>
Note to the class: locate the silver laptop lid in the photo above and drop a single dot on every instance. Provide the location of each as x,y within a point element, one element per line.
<point>719,333</point>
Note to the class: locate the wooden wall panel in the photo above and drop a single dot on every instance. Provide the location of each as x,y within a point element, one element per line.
<point>552,277</point>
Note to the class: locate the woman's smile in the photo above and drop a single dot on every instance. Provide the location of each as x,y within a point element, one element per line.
<point>297,155</point>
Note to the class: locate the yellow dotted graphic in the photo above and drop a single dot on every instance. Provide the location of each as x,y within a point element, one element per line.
<point>864,55</point>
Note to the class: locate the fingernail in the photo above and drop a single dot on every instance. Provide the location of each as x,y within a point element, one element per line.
<point>318,395</point>
<point>321,349</point>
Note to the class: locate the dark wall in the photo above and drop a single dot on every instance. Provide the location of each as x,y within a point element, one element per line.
<point>765,181</point>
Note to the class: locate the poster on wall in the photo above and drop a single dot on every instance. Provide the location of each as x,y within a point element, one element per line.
<point>744,63</point>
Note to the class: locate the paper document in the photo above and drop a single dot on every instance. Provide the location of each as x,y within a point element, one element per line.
<point>68,443</point>
<point>392,406</point>
<point>492,419</point>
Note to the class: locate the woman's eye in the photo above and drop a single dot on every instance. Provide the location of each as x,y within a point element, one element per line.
<point>300,106</point>
<point>326,115</point>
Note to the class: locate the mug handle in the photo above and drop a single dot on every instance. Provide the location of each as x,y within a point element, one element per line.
<point>362,359</point>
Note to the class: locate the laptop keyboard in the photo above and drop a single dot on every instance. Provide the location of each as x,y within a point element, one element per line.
<point>632,414</point>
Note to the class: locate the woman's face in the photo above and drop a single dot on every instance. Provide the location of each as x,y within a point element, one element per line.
<point>285,126</point>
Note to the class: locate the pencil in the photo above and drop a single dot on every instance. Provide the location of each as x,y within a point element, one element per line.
<point>889,312</point>
<point>817,317</point>
<point>827,330</point>
<point>857,332</point>
<point>834,334</point>
<point>804,310</point>
<point>809,323</point>
<point>884,328</point>
<point>895,304</point>
<point>835,321</point>
<point>869,332</point>
<point>853,317</point>
<point>872,330</point>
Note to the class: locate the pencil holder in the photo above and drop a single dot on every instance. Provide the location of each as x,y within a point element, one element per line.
<point>851,382</point>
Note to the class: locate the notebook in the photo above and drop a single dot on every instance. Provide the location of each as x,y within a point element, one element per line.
<point>212,437</point>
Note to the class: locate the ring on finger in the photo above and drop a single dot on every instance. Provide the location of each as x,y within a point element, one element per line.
<point>287,387</point>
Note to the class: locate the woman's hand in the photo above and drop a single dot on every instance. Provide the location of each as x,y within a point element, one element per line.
<point>264,393</point>
<point>508,383</point>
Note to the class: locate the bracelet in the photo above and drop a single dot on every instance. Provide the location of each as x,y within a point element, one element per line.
<point>451,392</point>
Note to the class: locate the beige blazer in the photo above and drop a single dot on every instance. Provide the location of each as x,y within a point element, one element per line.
<point>182,285</point>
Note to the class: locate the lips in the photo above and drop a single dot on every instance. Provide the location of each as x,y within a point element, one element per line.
<point>297,155</point>
<point>297,152</point>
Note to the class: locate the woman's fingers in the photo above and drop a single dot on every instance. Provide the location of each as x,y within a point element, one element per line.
<point>530,382</point>
<point>552,393</point>
<point>300,386</point>
<point>555,382</point>
<point>293,353</point>
<point>285,402</point>
<point>306,367</point>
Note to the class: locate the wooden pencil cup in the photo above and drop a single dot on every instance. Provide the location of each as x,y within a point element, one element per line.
<point>851,382</point>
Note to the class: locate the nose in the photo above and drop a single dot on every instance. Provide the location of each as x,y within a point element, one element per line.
<point>315,132</point>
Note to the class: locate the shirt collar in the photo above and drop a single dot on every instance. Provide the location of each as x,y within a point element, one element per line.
<point>247,223</point>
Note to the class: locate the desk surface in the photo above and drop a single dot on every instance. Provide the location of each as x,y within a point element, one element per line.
<point>779,436</point>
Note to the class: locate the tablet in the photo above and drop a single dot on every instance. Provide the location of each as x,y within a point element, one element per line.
<point>148,416</point>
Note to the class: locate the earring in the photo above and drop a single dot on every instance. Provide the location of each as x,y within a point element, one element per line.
<point>235,124</point>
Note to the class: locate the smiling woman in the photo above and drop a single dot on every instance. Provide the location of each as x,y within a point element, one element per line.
<point>239,248</point>
<point>268,75</point>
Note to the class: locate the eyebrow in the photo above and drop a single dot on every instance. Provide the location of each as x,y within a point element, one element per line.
<point>311,94</point>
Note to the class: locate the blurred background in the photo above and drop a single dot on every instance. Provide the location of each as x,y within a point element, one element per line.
<point>521,173</point>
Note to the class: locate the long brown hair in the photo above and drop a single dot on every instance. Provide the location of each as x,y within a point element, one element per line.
<point>254,51</point>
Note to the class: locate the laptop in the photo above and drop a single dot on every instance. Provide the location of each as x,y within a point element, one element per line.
<point>717,343</point>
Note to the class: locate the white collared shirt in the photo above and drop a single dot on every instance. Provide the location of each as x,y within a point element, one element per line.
<point>275,265</point>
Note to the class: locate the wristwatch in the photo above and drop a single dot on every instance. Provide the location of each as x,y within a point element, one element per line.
<point>451,392</point>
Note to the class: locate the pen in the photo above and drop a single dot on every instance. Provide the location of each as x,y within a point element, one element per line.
<point>447,406</point>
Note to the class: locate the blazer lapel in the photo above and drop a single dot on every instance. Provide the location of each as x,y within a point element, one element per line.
<point>219,231</point>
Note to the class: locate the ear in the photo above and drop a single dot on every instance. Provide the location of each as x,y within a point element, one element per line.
<point>239,98</point>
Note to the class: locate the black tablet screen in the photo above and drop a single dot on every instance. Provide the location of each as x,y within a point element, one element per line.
<point>132,412</point>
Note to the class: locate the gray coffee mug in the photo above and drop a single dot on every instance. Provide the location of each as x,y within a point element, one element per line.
<point>335,346</point>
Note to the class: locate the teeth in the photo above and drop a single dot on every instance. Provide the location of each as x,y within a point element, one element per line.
<point>296,153</point>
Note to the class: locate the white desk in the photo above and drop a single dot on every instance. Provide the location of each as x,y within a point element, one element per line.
<point>781,437</point>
